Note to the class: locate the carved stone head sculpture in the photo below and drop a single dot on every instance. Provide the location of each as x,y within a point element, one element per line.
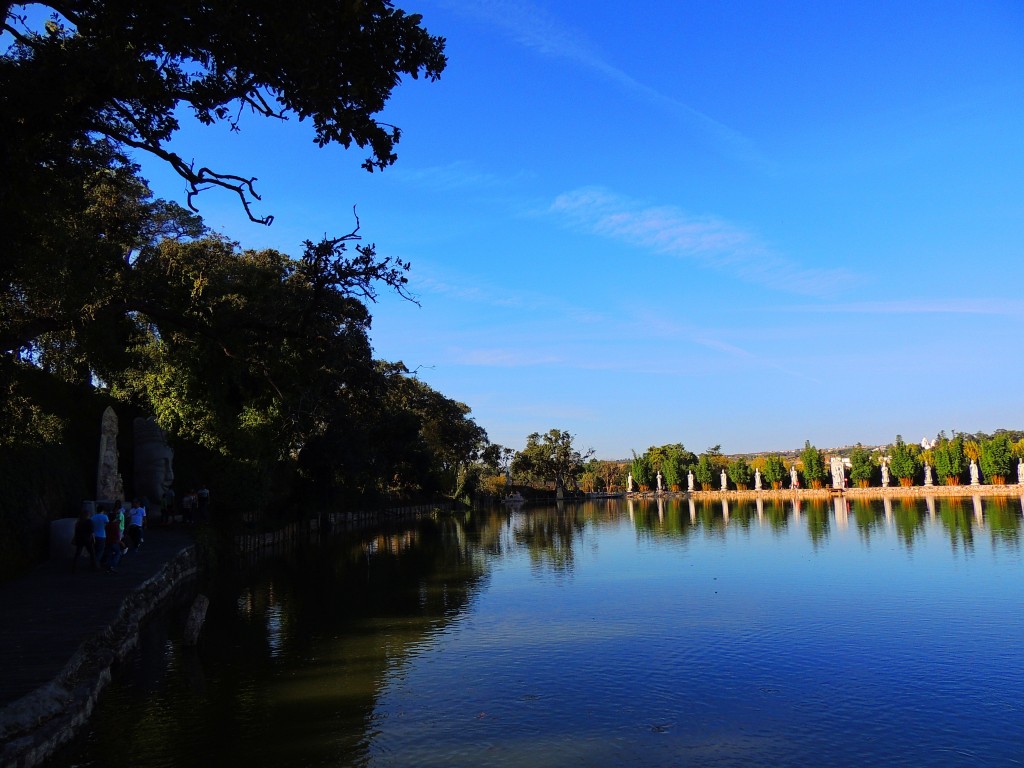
<point>154,459</point>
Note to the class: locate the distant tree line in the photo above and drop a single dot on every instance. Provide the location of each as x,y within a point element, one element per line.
<point>949,458</point>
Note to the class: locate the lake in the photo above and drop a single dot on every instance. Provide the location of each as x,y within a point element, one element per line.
<point>610,633</point>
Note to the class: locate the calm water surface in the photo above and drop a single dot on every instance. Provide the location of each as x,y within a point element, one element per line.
<point>605,634</point>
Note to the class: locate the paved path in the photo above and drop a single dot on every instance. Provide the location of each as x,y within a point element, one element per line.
<point>48,613</point>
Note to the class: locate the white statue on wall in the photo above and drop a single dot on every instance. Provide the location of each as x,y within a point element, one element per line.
<point>794,479</point>
<point>629,483</point>
<point>757,479</point>
<point>659,481</point>
<point>838,472</point>
<point>974,473</point>
<point>689,481</point>
<point>927,473</point>
<point>885,473</point>
<point>1020,471</point>
<point>725,481</point>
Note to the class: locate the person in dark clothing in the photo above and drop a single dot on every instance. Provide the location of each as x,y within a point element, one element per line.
<point>84,539</point>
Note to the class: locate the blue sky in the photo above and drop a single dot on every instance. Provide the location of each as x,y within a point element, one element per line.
<point>734,223</point>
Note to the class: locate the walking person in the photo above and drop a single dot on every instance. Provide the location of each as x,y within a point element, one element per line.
<point>99,532</point>
<point>114,530</point>
<point>83,539</point>
<point>136,524</point>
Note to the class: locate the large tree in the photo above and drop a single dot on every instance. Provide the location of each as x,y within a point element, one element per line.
<point>127,70</point>
<point>551,457</point>
<point>105,81</point>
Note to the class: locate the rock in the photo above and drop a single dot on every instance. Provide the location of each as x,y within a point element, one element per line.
<point>196,617</point>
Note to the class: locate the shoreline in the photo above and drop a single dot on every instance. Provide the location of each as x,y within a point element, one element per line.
<point>876,492</point>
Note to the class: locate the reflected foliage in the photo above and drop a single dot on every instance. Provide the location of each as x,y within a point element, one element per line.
<point>909,521</point>
<point>959,523</point>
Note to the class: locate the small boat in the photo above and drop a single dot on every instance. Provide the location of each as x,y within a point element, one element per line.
<point>514,499</point>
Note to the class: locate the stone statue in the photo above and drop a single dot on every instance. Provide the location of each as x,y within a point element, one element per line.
<point>689,481</point>
<point>725,481</point>
<point>838,472</point>
<point>974,473</point>
<point>885,473</point>
<point>109,485</point>
<point>757,479</point>
<point>794,480</point>
<point>659,481</point>
<point>1020,471</point>
<point>154,459</point>
<point>927,473</point>
<point>629,483</point>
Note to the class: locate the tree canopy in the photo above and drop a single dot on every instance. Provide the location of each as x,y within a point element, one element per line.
<point>101,82</point>
<point>125,71</point>
<point>551,457</point>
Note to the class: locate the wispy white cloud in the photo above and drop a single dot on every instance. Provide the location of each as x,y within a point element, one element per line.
<point>475,293</point>
<point>500,357</point>
<point>708,240</point>
<point>534,28</point>
<point>476,289</point>
<point>450,177</point>
<point>987,307</point>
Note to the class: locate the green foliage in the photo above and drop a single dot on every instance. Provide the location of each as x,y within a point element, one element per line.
<point>704,472</point>
<point>740,473</point>
<point>612,473</point>
<point>674,473</point>
<point>950,459</point>
<point>813,463</point>
<point>551,456</point>
<point>862,468</point>
<point>79,215</point>
<point>673,460</point>
<point>121,72</point>
<point>903,459</point>
<point>643,470</point>
<point>997,458</point>
<point>774,469</point>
